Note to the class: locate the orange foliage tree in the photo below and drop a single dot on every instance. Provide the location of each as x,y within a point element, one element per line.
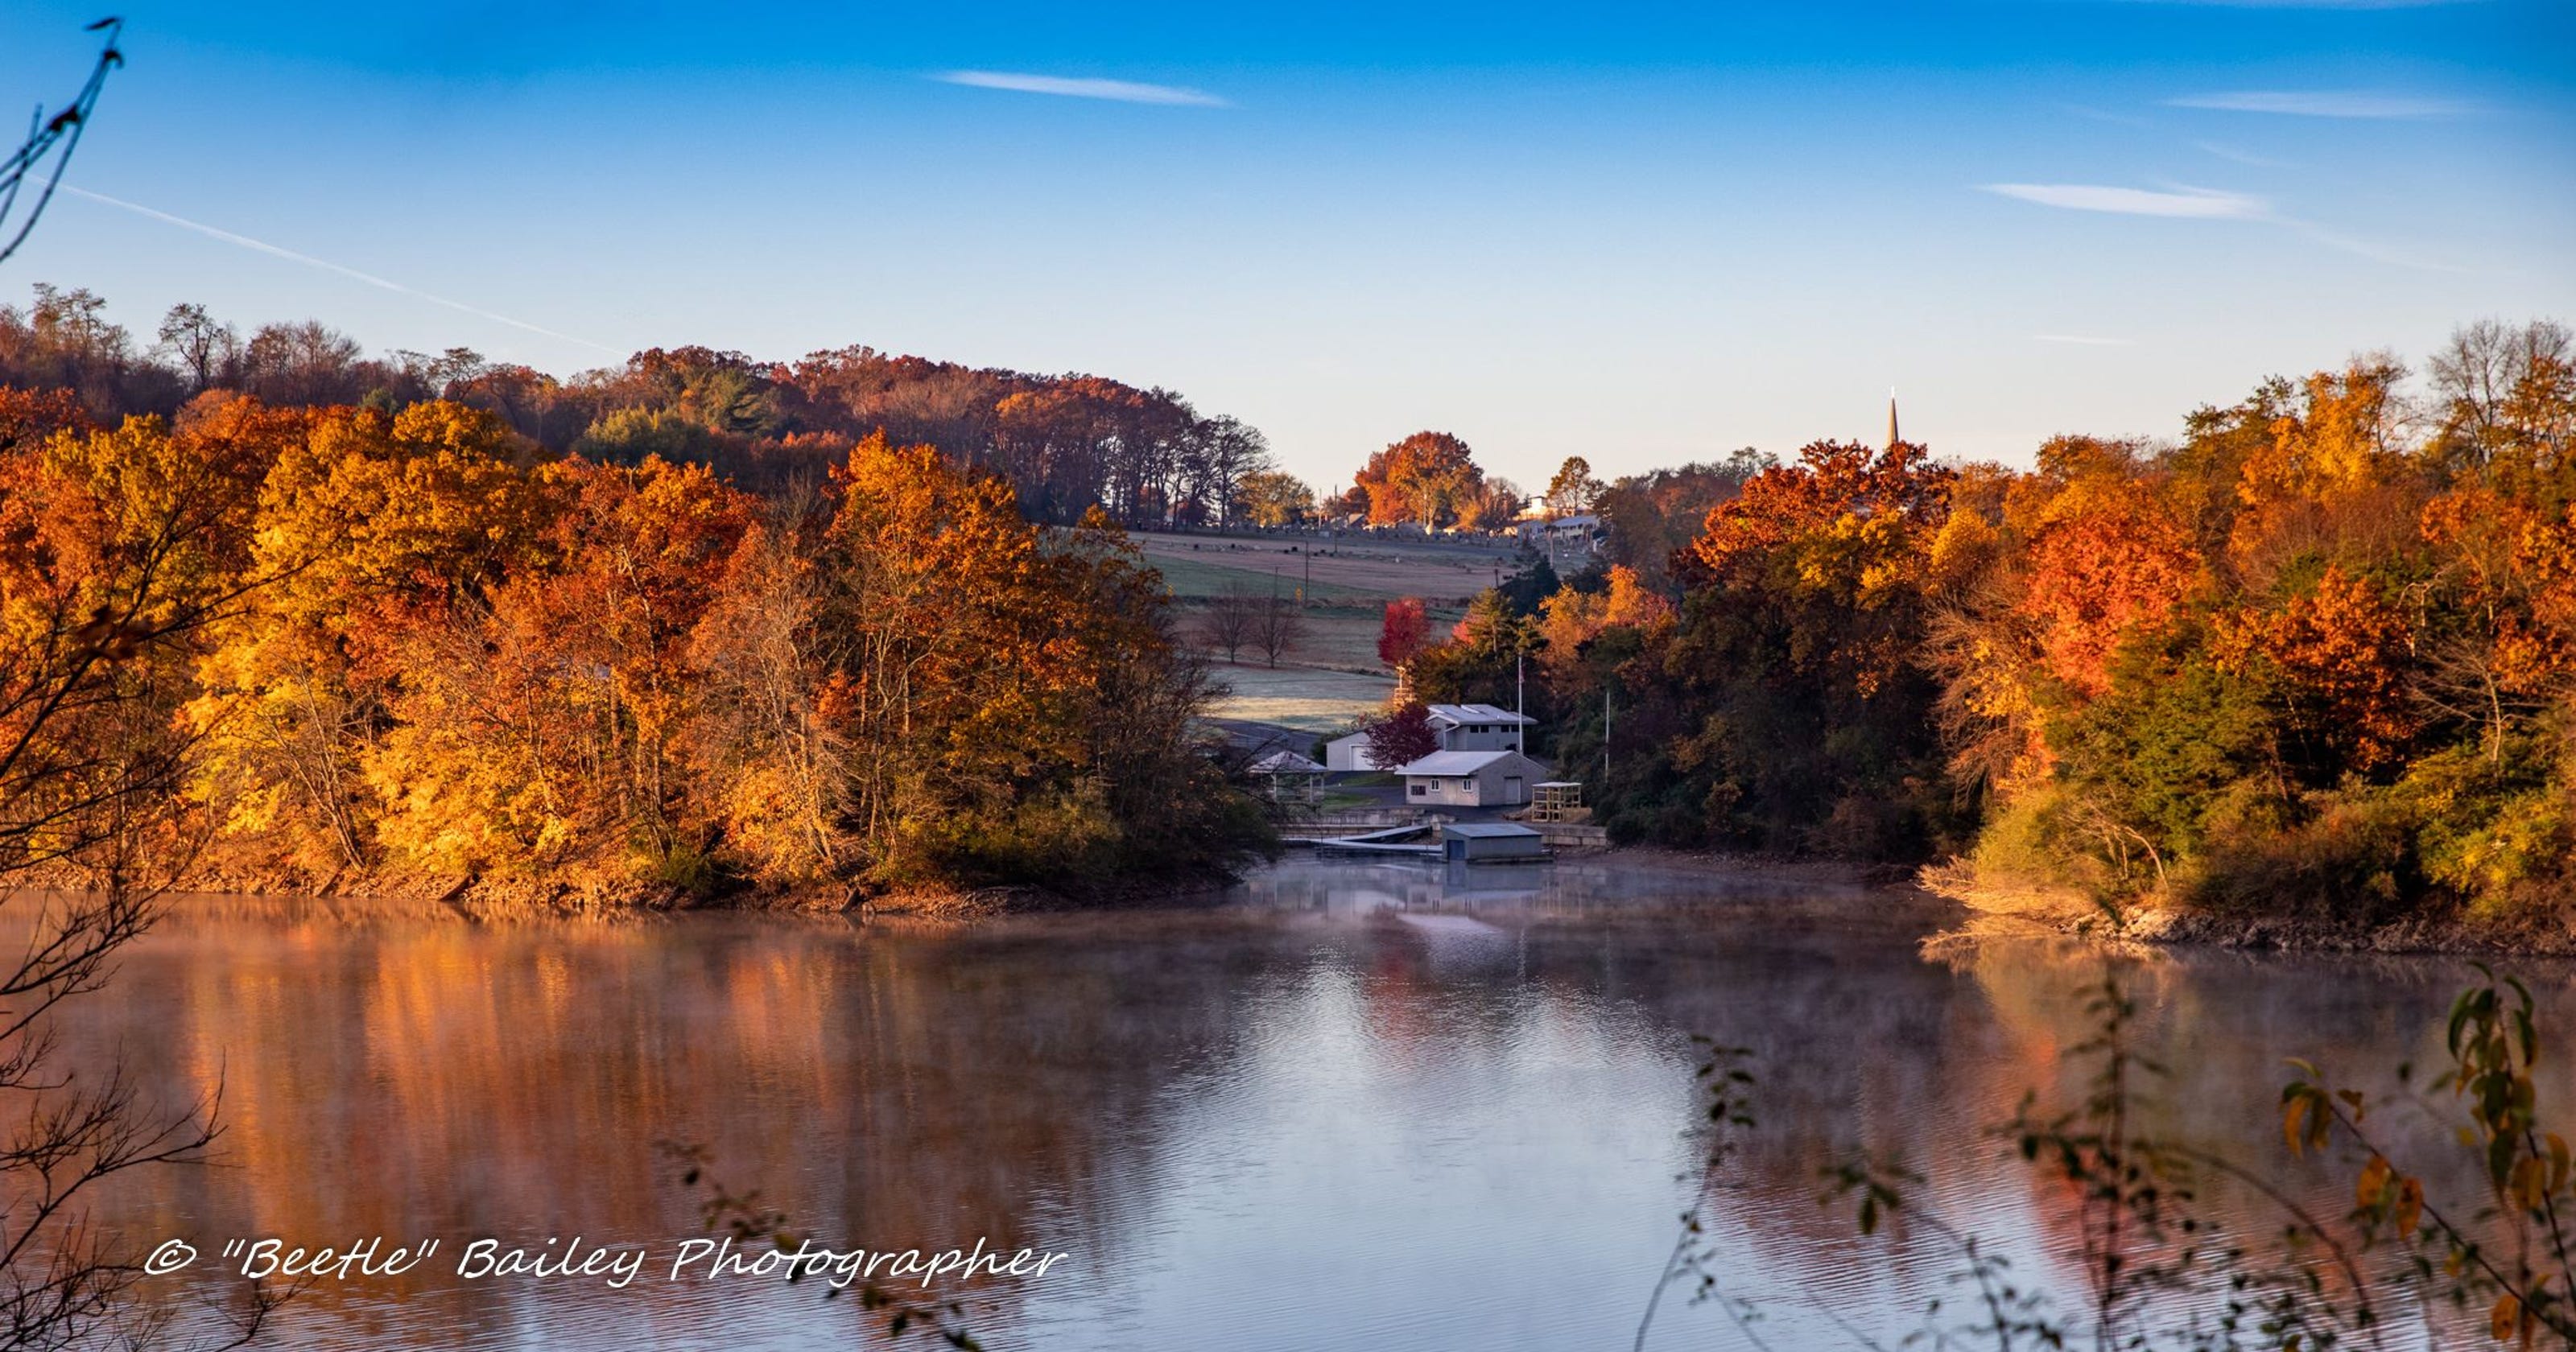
<point>1429,478</point>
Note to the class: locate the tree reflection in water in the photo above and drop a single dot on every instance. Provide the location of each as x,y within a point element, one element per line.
<point>1352,1104</point>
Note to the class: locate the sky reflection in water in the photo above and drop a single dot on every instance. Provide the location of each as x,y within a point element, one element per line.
<point>1352,1105</point>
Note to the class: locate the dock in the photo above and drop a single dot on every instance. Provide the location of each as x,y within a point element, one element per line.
<point>1460,842</point>
<point>1390,841</point>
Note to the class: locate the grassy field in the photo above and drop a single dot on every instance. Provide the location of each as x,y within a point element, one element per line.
<point>1303,698</point>
<point>1343,571</point>
<point>1352,582</point>
<point>1334,678</point>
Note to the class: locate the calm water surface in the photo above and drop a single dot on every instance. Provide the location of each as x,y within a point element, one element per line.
<point>1352,1105</point>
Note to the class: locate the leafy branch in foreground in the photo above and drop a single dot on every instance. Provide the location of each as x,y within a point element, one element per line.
<point>750,1220</point>
<point>54,138</point>
<point>2159,1267</point>
<point>2509,1250</point>
<point>110,569</point>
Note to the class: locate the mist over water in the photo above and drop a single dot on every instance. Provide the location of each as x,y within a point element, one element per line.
<point>1345,1105</point>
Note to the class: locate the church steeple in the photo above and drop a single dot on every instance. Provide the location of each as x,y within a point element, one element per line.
<point>1891,418</point>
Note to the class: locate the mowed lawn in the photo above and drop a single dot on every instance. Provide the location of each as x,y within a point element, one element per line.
<point>1333,678</point>
<point>1304,698</point>
<point>1343,570</point>
<point>1352,580</point>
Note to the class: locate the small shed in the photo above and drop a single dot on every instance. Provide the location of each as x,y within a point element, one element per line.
<point>1470,779</point>
<point>1470,842</point>
<point>1346,754</point>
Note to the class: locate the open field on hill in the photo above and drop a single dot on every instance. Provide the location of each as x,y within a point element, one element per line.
<point>1300,697</point>
<point>1343,570</point>
<point>1334,676</point>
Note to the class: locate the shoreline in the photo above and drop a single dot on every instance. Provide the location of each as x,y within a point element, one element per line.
<point>1994,906</point>
<point>488,899</point>
<point>2066,912</point>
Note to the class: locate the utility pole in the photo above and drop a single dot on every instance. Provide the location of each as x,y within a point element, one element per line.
<point>1605,736</point>
<point>1520,727</point>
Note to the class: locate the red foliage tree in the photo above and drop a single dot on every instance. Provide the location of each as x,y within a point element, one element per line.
<point>1403,633</point>
<point>1402,737</point>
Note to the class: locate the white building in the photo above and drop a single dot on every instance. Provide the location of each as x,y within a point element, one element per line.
<point>1471,779</point>
<point>1348,753</point>
<point>1460,727</point>
<point>1563,535</point>
<point>1480,727</point>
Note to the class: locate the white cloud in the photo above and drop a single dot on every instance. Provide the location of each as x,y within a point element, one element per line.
<point>2207,204</point>
<point>2078,340</point>
<point>1116,91</point>
<point>2326,103</point>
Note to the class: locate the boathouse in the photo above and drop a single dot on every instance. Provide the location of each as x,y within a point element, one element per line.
<point>1470,779</point>
<point>1472,842</point>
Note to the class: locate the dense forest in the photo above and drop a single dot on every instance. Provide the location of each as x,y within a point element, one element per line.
<point>699,618</point>
<point>1066,444</point>
<point>2318,655</point>
<point>411,641</point>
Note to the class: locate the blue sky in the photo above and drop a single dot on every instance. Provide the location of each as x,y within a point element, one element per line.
<point>1641,234</point>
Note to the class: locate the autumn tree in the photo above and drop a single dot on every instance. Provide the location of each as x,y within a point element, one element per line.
<point>382,530</point>
<point>118,549</point>
<point>1403,736</point>
<point>1491,507</point>
<point>1480,662</point>
<point>2105,556</point>
<point>1573,489</point>
<point>1800,718</point>
<point>1650,517</point>
<point>1570,620</point>
<point>551,717</point>
<point>1405,627</point>
<point>772,738</point>
<point>1272,499</point>
<point>1425,478</point>
<point>1015,704</point>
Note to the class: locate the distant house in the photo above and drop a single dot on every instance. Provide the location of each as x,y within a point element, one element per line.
<point>1480,727</point>
<point>1575,535</point>
<point>1460,727</point>
<point>1471,779</point>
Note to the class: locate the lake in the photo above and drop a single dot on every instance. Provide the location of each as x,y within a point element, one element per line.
<point>1346,1105</point>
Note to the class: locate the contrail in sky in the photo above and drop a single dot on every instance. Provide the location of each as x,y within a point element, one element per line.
<point>326,265</point>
